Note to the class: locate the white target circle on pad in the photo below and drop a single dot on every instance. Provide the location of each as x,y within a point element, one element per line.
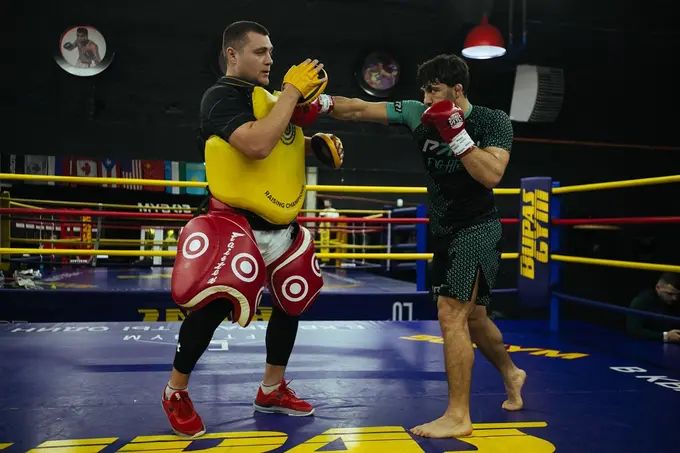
<point>295,288</point>
<point>245,268</point>
<point>195,245</point>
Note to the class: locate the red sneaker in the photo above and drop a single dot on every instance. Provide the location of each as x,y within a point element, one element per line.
<point>283,401</point>
<point>183,419</point>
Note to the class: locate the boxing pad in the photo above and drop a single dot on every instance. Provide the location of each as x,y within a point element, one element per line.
<point>295,277</point>
<point>307,81</point>
<point>217,258</point>
<point>328,149</point>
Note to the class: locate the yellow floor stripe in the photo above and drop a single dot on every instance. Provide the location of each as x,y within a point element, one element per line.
<point>71,442</point>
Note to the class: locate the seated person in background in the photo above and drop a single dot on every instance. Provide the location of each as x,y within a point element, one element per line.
<point>329,210</point>
<point>663,299</point>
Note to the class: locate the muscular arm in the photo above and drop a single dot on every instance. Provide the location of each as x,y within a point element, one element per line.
<point>354,109</point>
<point>256,139</point>
<point>486,165</point>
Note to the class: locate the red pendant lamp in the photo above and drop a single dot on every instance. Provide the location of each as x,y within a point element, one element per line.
<point>484,42</point>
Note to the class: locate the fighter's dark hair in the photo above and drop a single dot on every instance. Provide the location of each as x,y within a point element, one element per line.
<point>447,69</point>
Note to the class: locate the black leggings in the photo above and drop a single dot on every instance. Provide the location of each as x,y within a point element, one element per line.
<point>199,326</point>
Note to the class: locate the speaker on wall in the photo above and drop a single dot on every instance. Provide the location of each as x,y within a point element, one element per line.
<point>537,94</point>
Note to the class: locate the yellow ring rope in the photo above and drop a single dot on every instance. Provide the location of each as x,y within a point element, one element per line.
<point>617,184</point>
<point>21,205</point>
<point>95,204</point>
<point>392,256</point>
<point>616,263</point>
<point>331,188</point>
<point>163,182</point>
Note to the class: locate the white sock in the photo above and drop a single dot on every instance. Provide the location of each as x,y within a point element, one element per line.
<point>267,389</point>
<point>170,390</point>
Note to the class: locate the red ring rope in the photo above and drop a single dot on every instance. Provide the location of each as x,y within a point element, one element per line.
<point>617,220</point>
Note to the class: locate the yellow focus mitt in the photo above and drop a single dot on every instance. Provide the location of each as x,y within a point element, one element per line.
<point>328,149</point>
<point>305,78</point>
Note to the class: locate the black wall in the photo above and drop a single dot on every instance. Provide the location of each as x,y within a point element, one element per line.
<point>617,63</point>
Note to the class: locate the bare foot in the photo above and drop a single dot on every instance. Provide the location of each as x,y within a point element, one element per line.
<point>444,427</point>
<point>514,389</point>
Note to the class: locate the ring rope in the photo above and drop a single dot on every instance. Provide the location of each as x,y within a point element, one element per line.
<point>168,183</point>
<point>363,220</point>
<point>336,188</point>
<point>611,307</point>
<point>350,211</point>
<point>95,204</point>
<point>616,184</point>
<point>22,205</point>
<point>95,213</point>
<point>617,220</point>
<point>393,256</point>
<point>390,189</point>
<point>96,180</point>
<point>616,263</point>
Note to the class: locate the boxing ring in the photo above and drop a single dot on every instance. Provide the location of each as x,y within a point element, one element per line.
<point>352,290</point>
<point>94,386</point>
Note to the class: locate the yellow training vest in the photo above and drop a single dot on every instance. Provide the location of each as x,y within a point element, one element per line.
<point>272,188</point>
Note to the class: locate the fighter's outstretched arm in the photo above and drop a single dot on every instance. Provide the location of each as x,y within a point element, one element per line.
<point>354,109</point>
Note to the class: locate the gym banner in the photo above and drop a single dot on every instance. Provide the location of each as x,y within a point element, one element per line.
<point>534,239</point>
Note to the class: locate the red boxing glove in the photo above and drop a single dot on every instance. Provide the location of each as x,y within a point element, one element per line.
<point>449,120</point>
<point>306,114</point>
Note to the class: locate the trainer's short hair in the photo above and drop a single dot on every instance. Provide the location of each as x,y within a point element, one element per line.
<point>235,35</point>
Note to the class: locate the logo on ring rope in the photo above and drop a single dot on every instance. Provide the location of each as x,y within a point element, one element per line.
<point>295,288</point>
<point>245,268</point>
<point>195,245</point>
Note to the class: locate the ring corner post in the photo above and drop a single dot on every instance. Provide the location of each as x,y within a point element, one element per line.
<point>5,227</point>
<point>533,280</point>
<point>555,267</point>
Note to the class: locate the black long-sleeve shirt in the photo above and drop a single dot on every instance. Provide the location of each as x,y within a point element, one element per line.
<point>650,328</point>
